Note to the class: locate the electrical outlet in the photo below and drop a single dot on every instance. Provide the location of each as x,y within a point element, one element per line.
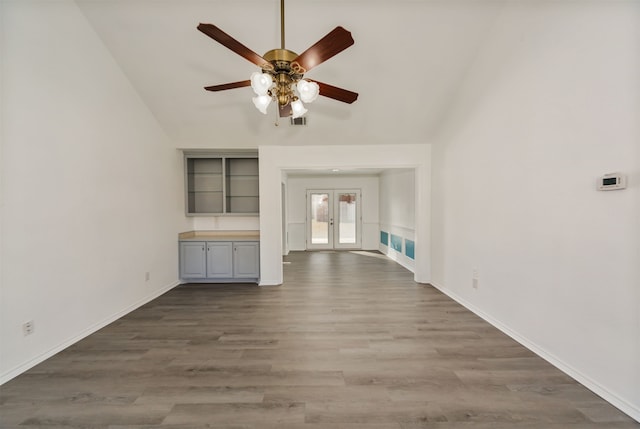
<point>147,276</point>
<point>28,328</point>
<point>475,279</point>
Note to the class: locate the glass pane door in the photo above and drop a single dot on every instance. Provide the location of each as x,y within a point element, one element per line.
<point>321,222</point>
<point>346,218</point>
<point>333,219</point>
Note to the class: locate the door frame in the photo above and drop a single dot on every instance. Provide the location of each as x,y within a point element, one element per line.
<point>334,222</point>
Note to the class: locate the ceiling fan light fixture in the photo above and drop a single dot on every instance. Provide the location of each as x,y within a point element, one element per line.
<point>262,102</point>
<point>280,78</point>
<point>261,83</point>
<point>308,90</point>
<point>297,109</point>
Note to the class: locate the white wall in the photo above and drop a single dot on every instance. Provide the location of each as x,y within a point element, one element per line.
<point>551,103</point>
<point>226,223</point>
<point>297,205</point>
<point>91,187</point>
<point>275,159</point>
<point>397,212</point>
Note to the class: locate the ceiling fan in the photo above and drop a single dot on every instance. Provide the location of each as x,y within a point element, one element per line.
<point>281,78</point>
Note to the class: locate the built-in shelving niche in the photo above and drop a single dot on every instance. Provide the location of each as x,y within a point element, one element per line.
<point>221,184</point>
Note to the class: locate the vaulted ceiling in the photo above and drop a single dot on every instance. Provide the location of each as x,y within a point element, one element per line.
<point>408,59</point>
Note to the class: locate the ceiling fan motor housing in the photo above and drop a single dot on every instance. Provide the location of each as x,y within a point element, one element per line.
<point>283,76</point>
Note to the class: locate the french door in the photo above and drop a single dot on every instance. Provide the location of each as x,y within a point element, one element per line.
<point>333,219</point>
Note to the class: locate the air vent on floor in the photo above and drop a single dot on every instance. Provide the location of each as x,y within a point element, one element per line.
<point>299,121</point>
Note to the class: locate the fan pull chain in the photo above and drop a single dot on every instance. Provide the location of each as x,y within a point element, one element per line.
<point>277,109</point>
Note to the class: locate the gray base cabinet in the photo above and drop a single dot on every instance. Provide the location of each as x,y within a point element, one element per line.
<point>246,260</point>
<point>193,264</point>
<point>219,261</point>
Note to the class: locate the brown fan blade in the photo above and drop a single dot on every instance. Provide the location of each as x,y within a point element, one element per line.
<point>285,111</point>
<point>231,85</point>
<point>336,93</point>
<point>224,39</point>
<point>333,43</point>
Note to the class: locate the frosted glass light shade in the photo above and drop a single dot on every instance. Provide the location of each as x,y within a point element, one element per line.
<point>261,83</point>
<point>308,90</point>
<point>262,102</point>
<point>297,109</point>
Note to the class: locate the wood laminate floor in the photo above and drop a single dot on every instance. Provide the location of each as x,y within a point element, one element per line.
<point>349,341</point>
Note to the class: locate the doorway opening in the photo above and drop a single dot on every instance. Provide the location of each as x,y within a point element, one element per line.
<point>334,219</point>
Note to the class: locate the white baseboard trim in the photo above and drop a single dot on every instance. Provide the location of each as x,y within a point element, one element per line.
<point>270,284</point>
<point>396,257</point>
<point>600,390</point>
<point>16,371</point>
<point>404,263</point>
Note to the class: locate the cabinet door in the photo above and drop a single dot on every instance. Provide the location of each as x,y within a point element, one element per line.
<point>246,260</point>
<point>219,260</point>
<point>192,260</point>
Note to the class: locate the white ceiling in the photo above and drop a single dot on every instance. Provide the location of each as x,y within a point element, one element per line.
<point>408,58</point>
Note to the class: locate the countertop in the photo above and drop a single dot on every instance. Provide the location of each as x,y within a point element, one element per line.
<point>220,235</point>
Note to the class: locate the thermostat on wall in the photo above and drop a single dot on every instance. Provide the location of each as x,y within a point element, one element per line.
<point>612,181</point>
